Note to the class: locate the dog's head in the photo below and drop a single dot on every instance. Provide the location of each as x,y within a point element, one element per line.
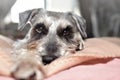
<point>53,34</point>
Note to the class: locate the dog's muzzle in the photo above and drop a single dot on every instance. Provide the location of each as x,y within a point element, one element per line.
<point>51,50</point>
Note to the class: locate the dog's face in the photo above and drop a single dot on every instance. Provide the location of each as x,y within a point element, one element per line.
<point>53,34</point>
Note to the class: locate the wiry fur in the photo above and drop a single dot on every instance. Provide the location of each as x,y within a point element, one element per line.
<point>48,41</point>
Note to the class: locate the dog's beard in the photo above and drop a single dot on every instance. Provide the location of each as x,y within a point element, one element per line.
<point>37,50</point>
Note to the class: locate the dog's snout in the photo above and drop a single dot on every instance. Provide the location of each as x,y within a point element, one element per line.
<point>48,59</point>
<point>51,48</point>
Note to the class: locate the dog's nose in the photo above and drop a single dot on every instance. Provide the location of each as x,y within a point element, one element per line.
<point>48,59</point>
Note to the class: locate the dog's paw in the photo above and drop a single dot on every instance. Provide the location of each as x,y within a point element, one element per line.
<point>28,69</point>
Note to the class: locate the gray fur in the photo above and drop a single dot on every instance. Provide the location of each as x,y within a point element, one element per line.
<point>52,34</point>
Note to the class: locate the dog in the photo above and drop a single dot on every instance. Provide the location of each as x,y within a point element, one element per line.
<point>51,35</point>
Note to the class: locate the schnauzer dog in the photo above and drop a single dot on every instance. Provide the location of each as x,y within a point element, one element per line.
<point>51,35</point>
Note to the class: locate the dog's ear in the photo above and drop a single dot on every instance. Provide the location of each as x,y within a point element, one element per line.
<point>81,24</point>
<point>25,17</point>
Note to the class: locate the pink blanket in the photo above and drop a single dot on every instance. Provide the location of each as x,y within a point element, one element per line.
<point>100,71</point>
<point>109,70</point>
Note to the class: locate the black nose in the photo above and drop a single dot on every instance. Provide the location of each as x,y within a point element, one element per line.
<point>48,59</point>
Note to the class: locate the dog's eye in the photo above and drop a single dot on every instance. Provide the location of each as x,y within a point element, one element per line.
<point>41,29</point>
<point>66,32</point>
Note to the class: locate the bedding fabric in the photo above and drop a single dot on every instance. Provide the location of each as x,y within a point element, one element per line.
<point>109,70</point>
<point>101,71</point>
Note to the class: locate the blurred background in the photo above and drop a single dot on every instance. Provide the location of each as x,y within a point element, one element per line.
<point>102,16</point>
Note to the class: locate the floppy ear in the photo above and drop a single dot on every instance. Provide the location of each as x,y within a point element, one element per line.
<point>81,25</point>
<point>25,17</point>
